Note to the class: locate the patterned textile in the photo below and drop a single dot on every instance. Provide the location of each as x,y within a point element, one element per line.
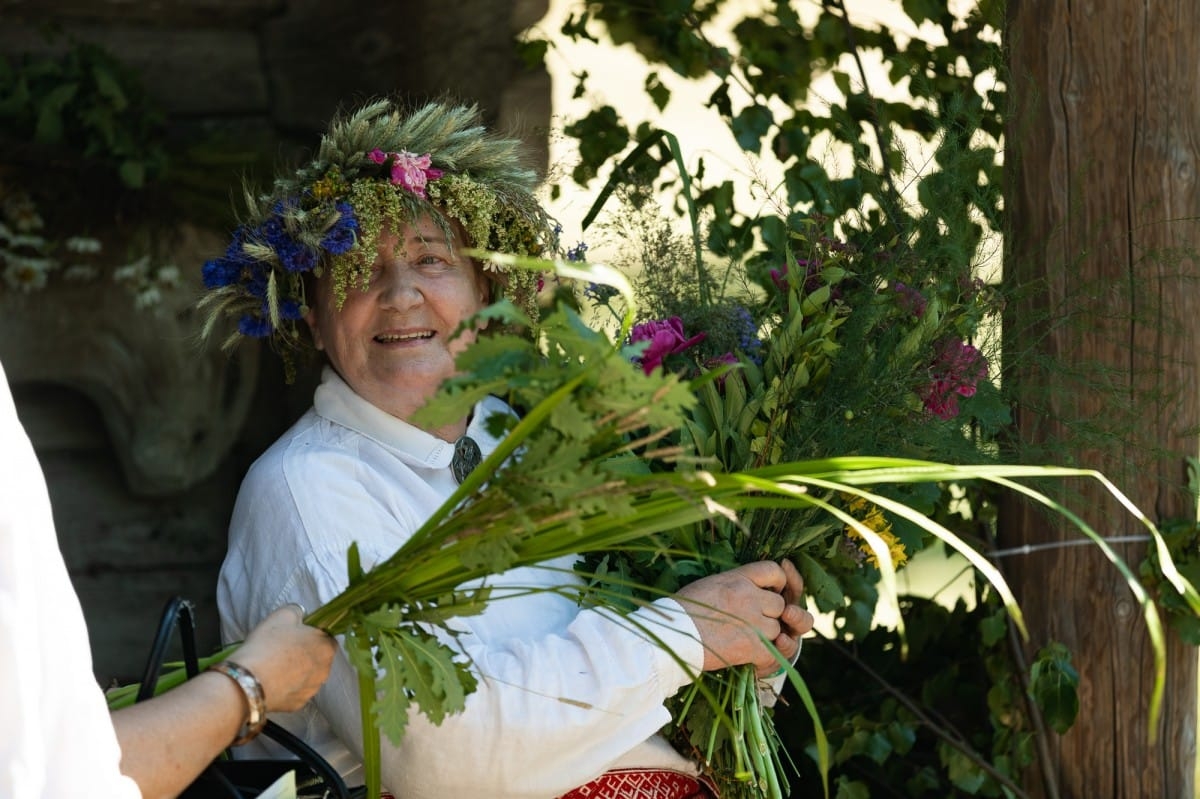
<point>644,784</point>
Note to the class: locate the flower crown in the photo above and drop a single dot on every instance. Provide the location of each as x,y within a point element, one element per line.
<point>378,166</point>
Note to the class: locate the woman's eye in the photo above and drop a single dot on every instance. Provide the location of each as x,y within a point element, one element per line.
<point>433,259</point>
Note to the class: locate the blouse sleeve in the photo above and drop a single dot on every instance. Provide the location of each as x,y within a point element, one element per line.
<point>550,712</point>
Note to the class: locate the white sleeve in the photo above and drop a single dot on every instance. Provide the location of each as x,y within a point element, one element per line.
<point>548,715</point>
<point>551,711</point>
<point>57,738</point>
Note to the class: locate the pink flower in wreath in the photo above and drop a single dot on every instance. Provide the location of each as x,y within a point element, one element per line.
<point>957,368</point>
<point>409,170</point>
<point>666,337</point>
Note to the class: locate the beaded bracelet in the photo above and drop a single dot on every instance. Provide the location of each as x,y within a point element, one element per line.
<point>252,689</point>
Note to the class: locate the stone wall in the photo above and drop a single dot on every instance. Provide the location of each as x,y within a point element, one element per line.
<point>142,436</point>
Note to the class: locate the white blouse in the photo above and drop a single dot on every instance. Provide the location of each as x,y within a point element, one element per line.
<point>564,693</point>
<point>56,738</point>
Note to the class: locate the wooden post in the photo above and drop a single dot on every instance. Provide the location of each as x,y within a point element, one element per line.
<point>1104,203</point>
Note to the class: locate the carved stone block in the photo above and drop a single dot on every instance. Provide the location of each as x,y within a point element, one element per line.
<point>172,409</point>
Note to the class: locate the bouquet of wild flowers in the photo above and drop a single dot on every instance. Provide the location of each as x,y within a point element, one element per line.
<point>820,348</point>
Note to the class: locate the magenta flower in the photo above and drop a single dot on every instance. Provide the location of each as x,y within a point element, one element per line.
<point>779,278</point>
<point>409,170</point>
<point>666,337</point>
<point>957,368</point>
<point>911,300</point>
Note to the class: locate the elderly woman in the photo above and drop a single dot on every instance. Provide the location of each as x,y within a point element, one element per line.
<point>362,254</point>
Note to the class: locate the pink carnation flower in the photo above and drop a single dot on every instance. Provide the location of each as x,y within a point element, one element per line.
<point>957,368</point>
<point>666,337</point>
<point>409,170</point>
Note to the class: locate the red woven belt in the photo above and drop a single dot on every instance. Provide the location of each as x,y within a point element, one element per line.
<point>643,784</point>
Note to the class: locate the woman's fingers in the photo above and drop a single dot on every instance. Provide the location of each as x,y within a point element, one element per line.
<point>793,588</point>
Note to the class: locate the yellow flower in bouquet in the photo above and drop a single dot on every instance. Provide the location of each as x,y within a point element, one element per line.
<point>872,517</point>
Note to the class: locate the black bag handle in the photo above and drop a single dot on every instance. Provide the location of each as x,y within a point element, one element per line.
<point>179,613</point>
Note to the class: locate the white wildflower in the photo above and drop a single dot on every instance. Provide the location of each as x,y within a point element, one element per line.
<point>23,214</point>
<point>27,274</point>
<point>29,241</point>
<point>82,244</point>
<point>168,275</point>
<point>132,272</point>
<point>148,297</point>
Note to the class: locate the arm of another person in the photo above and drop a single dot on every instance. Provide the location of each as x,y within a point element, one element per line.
<point>167,741</point>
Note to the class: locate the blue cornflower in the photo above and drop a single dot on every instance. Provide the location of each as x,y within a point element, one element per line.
<point>235,253</point>
<point>275,234</point>
<point>289,309</point>
<point>748,340</point>
<point>256,284</point>
<point>344,233</point>
<point>282,207</point>
<point>578,252</point>
<point>220,272</point>
<point>254,326</point>
<point>296,257</point>
<point>599,292</point>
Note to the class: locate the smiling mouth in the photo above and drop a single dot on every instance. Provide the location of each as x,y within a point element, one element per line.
<point>397,338</point>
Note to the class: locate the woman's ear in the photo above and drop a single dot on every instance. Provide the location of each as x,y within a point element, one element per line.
<point>487,288</point>
<point>314,329</point>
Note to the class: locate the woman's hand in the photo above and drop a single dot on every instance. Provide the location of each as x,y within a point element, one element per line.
<point>290,659</point>
<point>731,610</point>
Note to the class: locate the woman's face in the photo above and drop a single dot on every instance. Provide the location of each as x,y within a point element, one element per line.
<point>392,343</point>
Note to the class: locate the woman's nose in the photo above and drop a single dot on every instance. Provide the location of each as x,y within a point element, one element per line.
<point>399,287</point>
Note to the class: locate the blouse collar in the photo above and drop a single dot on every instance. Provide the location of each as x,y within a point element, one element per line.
<point>336,401</point>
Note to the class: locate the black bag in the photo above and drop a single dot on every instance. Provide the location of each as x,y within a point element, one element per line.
<point>226,777</point>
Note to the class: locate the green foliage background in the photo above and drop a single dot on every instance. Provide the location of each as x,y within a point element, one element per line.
<point>958,716</point>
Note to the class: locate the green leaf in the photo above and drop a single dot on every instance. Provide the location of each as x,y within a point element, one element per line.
<point>851,789</point>
<point>1054,683</point>
<point>132,173</point>
<point>750,125</point>
<point>878,747</point>
<point>924,10</point>
<point>354,567</point>
<point>818,583</point>
<point>417,668</point>
<point>601,135</point>
<point>109,87</point>
<point>50,125</point>
<point>659,94</point>
<point>532,52</point>
<point>962,771</point>
<point>902,737</point>
<point>994,628</point>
